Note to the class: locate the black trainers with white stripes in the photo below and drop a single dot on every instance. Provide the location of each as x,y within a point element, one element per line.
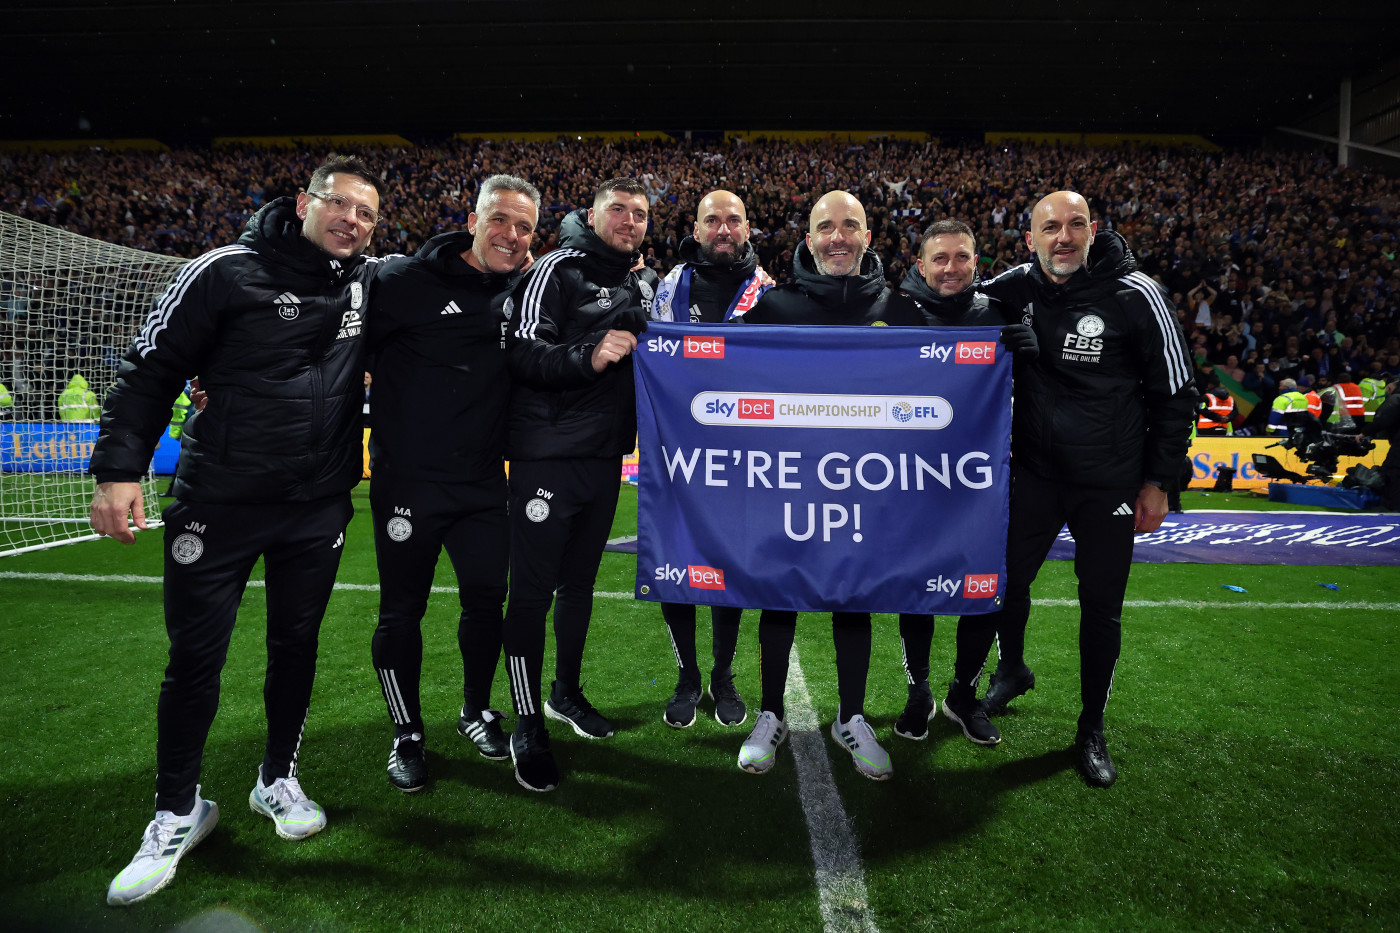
<point>534,762</point>
<point>568,704</point>
<point>408,768</point>
<point>486,733</point>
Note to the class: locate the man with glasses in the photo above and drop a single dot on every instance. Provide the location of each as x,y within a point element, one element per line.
<point>437,448</point>
<point>272,326</point>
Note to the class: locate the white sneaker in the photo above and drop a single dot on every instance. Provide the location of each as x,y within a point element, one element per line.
<point>859,739</point>
<point>287,805</point>
<point>167,838</point>
<point>760,749</point>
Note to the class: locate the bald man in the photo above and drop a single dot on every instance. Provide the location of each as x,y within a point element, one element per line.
<point>1101,422</point>
<point>838,281</point>
<point>717,280</point>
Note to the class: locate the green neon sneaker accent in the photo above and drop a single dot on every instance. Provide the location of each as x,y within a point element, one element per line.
<point>871,760</point>
<point>286,804</point>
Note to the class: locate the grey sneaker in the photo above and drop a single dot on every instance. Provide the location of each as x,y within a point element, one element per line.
<point>294,814</point>
<point>168,837</point>
<point>760,749</point>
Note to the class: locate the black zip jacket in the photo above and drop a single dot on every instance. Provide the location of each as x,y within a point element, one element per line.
<point>272,327</point>
<point>862,299</point>
<point>437,341</point>
<point>570,298</point>
<point>968,308</point>
<point>1110,400</point>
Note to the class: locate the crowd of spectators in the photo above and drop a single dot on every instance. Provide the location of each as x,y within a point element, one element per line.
<point>1281,264</point>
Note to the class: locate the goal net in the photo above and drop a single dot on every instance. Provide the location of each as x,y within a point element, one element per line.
<point>69,306</point>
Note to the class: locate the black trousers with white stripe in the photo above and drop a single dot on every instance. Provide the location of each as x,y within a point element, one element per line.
<point>1101,521</point>
<point>561,512</point>
<point>413,522</point>
<point>210,550</point>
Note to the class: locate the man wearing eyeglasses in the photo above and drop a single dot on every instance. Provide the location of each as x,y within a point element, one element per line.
<point>437,447</point>
<point>272,326</point>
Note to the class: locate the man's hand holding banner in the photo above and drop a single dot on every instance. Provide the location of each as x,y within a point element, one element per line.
<point>860,469</point>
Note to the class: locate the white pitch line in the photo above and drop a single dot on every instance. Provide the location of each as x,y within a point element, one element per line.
<point>841,894</point>
<point>1056,603</point>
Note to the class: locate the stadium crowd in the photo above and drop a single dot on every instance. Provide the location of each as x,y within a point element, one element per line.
<point>1281,264</point>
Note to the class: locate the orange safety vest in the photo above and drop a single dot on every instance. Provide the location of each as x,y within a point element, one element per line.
<point>1314,404</point>
<point>1224,408</point>
<point>1351,397</point>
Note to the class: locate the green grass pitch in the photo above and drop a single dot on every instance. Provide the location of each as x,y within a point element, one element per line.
<point>1257,744</point>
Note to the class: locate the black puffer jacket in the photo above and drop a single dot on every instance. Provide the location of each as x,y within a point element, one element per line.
<point>1110,400</point>
<point>272,326</point>
<point>570,298</point>
<point>968,308</point>
<point>862,299</point>
<point>436,333</point>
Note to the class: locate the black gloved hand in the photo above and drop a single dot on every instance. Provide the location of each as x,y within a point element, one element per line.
<point>1020,340</point>
<point>632,320</point>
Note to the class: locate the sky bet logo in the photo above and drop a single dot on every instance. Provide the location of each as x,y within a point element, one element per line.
<point>701,348</point>
<point>974,586</point>
<point>751,408</point>
<point>697,575</point>
<point>966,351</point>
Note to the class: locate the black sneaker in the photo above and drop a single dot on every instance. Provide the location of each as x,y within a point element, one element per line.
<point>913,722</point>
<point>1005,686</point>
<point>680,711</point>
<point>534,762</point>
<point>729,706</point>
<point>568,704</point>
<point>1092,759</point>
<point>408,771</point>
<point>969,714</point>
<point>486,732</point>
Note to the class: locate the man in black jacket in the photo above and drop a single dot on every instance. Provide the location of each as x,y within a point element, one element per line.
<point>718,279</point>
<point>941,286</point>
<point>437,446</point>
<point>272,327</point>
<point>838,282</point>
<point>1100,426</point>
<point>573,416</point>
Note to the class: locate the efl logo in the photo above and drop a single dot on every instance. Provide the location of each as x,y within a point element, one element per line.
<point>756,408</point>
<point>706,578</point>
<point>970,351</point>
<point>705,348</point>
<point>979,585</point>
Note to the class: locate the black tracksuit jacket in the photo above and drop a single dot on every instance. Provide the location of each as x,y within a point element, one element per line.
<point>436,336</point>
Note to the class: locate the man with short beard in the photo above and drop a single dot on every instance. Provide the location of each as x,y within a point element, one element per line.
<point>838,281</point>
<point>941,287</point>
<point>572,418</point>
<point>1101,424</point>
<point>272,326</point>
<point>437,447</point>
<point>718,280</point>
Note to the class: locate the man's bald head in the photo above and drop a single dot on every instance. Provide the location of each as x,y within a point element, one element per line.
<point>721,227</point>
<point>1061,234</point>
<point>837,234</point>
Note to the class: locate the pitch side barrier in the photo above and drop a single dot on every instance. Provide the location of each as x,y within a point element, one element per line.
<point>65,447</point>
<point>1238,454</point>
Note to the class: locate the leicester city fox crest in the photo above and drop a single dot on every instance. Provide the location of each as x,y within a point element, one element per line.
<point>604,299</point>
<point>186,549</point>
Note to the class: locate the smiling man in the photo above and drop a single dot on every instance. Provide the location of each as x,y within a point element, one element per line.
<point>718,279</point>
<point>573,416</point>
<point>941,287</point>
<point>1101,424</point>
<point>437,448</point>
<point>838,282</point>
<point>272,326</point>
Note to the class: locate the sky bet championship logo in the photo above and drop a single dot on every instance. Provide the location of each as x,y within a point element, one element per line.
<point>782,410</point>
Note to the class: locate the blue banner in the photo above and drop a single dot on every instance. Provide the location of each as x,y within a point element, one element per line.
<point>64,447</point>
<point>860,469</point>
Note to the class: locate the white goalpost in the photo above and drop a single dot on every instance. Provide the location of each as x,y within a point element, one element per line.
<point>69,305</point>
